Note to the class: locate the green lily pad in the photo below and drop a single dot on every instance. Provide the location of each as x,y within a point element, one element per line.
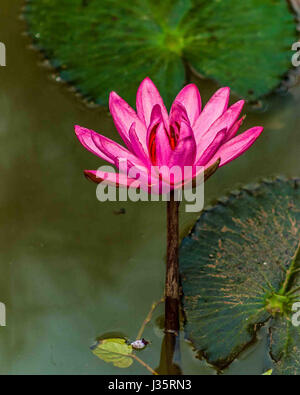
<point>244,44</point>
<point>285,337</point>
<point>104,45</point>
<point>268,373</point>
<point>240,268</point>
<point>285,347</point>
<point>115,351</point>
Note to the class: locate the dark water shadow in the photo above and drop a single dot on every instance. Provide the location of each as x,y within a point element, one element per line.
<point>170,356</point>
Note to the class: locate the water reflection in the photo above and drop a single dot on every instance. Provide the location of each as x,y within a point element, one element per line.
<point>170,358</point>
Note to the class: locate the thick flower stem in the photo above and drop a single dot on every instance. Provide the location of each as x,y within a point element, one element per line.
<point>172,272</point>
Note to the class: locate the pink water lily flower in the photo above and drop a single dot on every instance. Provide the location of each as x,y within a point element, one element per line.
<point>185,137</point>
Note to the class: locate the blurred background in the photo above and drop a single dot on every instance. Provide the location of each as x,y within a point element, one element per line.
<point>72,268</point>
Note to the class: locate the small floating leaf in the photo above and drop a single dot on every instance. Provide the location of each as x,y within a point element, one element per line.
<point>268,373</point>
<point>115,351</point>
<point>239,268</point>
<point>104,45</point>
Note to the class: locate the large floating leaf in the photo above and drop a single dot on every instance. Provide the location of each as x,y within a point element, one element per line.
<point>104,45</point>
<point>239,268</point>
<point>115,351</point>
<point>285,337</point>
<point>244,44</point>
<point>285,347</point>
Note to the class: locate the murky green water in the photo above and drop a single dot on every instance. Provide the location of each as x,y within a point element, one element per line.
<point>73,268</point>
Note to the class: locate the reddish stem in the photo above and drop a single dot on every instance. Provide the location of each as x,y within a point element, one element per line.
<point>172,271</point>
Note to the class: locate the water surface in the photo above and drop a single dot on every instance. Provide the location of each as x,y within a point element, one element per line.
<point>73,268</point>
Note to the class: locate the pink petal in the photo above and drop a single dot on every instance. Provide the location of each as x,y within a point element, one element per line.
<point>185,151</point>
<point>137,146</point>
<point>190,98</point>
<point>214,108</point>
<point>144,181</point>
<point>147,97</point>
<point>237,146</point>
<point>114,150</point>
<point>155,120</point>
<point>178,113</point>
<point>85,137</point>
<point>147,181</point>
<point>114,179</point>
<point>233,131</point>
<point>162,144</point>
<point>124,116</point>
<point>226,121</point>
<point>212,148</point>
<point>194,175</point>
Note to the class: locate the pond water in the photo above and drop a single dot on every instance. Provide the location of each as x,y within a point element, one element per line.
<point>73,268</point>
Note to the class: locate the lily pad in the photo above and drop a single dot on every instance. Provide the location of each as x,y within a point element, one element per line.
<point>104,45</point>
<point>240,268</point>
<point>268,373</point>
<point>285,347</point>
<point>115,351</point>
<point>285,336</point>
<point>244,44</point>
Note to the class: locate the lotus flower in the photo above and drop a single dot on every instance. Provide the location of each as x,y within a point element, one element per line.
<point>186,137</point>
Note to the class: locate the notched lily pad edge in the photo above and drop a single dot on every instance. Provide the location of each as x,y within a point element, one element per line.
<point>55,70</point>
<point>252,189</point>
<point>293,72</point>
<point>56,73</point>
<point>223,364</point>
